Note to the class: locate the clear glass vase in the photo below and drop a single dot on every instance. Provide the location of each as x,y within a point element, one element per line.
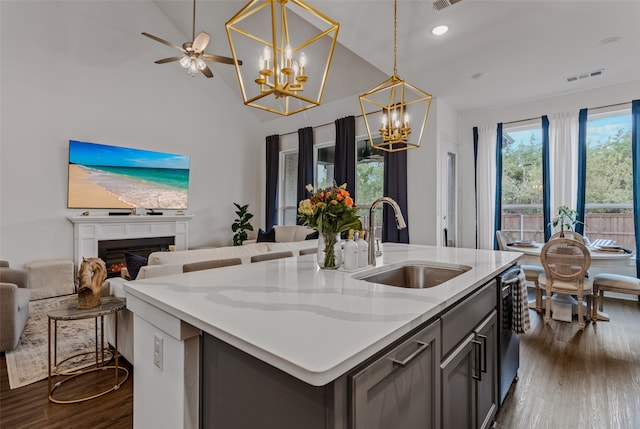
<point>329,250</point>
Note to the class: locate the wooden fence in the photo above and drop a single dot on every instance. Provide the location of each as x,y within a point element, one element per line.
<point>615,226</point>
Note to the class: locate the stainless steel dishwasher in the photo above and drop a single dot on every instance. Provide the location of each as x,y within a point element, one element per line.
<point>508,341</point>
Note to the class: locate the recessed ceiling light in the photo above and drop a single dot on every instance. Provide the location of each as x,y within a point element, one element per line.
<point>478,75</point>
<point>439,30</point>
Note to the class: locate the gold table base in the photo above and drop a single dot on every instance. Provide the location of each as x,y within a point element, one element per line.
<point>109,305</point>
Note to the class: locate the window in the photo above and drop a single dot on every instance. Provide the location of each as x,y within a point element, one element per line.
<point>522,216</point>
<point>325,156</point>
<point>609,187</point>
<point>288,192</point>
<point>369,180</point>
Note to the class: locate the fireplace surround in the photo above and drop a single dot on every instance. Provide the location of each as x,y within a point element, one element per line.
<point>88,231</point>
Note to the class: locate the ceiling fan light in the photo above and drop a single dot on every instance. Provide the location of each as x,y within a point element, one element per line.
<point>200,64</point>
<point>185,61</point>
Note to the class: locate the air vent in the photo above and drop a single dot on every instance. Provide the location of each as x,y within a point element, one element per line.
<point>585,75</point>
<point>441,4</point>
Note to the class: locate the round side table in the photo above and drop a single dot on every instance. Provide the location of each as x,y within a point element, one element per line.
<point>109,305</point>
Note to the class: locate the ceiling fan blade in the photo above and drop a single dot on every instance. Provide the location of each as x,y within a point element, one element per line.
<point>219,59</point>
<point>207,71</point>
<point>164,42</point>
<point>201,41</point>
<point>168,60</point>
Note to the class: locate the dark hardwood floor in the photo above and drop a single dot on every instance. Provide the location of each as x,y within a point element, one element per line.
<point>29,406</point>
<point>567,379</point>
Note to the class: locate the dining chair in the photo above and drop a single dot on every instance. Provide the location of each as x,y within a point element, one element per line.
<point>565,263</point>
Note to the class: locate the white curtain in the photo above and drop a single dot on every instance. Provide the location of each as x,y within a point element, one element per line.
<point>486,185</point>
<point>563,160</point>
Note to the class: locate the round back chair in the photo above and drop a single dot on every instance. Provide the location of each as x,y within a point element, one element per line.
<point>565,263</point>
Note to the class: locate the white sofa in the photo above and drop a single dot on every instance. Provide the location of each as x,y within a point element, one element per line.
<point>288,238</point>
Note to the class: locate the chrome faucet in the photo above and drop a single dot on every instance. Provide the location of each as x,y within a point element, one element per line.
<point>399,220</point>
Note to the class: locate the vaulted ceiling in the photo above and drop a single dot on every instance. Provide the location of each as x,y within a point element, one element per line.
<point>496,53</point>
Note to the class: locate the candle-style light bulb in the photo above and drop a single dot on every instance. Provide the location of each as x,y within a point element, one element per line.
<point>287,52</point>
<point>406,119</point>
<point>384,121</point>
<point>394,118</point>
<point>296,69</point>
<point>303,62</point>
<point>266,53</point>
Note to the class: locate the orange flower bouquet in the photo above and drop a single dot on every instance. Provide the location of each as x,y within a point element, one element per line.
<point>329,211</point>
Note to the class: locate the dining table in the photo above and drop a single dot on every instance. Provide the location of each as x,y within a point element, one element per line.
<point>607,257</point>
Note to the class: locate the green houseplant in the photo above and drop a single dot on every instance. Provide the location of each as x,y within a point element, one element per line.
<point>241,225</point>
<point>567,219</point>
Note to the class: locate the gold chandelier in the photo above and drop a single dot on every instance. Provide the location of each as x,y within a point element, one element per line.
<point>392,104</point>
<point>292,54</point>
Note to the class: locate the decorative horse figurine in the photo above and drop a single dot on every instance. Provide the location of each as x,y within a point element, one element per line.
<point>91,275</point>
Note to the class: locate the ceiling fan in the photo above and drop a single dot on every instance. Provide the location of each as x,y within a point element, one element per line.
<point>193,58</point>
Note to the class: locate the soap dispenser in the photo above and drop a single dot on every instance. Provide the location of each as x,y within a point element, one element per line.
<point>363,251</point>
<point>350,253</point>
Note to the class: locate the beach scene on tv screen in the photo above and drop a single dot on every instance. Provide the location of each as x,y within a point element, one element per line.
<point>102,176</point>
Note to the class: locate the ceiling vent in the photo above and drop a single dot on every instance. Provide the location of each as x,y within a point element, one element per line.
<point>441,4</point>
<point>585,75</point>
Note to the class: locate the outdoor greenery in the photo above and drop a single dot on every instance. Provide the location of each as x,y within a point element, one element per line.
<point>609,172</point>
<point>369,182</point>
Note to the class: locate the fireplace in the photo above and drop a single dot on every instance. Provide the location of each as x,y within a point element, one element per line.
<point>88,231</point>
<point>112,251</point>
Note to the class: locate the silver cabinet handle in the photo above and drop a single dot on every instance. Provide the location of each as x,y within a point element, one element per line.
<point>477,361</point>
<point>421,347</point>
<point>483,366</point>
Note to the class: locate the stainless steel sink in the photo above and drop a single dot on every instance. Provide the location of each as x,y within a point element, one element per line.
<point>416,275</point>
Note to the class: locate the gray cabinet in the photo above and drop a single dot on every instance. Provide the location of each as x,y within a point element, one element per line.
<point>401,388</point>
<point>469,367</point>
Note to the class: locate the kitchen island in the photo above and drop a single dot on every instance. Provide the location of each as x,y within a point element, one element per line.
<point>312,325</point>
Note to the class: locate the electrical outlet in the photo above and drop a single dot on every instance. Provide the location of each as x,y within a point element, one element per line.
<point>157,350</point>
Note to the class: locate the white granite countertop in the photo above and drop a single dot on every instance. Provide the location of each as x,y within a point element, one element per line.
<point>314,324</point>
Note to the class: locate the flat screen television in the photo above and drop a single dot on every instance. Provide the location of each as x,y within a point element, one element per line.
<point>112,177</point>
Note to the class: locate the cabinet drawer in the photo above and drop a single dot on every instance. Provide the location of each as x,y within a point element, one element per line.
<point>461,319</point>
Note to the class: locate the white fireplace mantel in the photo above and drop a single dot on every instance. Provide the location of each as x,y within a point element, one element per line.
<point>88,230</point>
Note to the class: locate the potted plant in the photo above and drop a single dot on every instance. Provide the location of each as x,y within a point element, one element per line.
<point>241,225</point>
<point>567,219</point>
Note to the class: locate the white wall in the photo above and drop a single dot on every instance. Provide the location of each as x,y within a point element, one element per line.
<point>82,70</point>
<point>622,93</point>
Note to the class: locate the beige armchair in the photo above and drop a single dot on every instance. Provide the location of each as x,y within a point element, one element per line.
<point>14,305</point>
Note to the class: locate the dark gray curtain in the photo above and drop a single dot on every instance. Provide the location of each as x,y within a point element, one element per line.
<point>305,163</point>
<point>271,205</point>
<point>345,161</point>
<point>395,186</point>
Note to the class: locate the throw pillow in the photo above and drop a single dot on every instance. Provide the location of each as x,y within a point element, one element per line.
<point>134,263</point>
<point>266,237</point>
<point>313,236</point>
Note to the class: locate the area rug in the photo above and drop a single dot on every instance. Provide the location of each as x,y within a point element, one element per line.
<point>28,362</point>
